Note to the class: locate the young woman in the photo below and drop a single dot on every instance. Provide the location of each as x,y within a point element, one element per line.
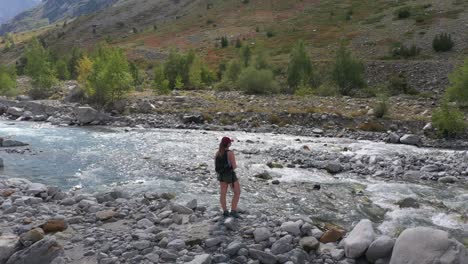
<point>225,162</point>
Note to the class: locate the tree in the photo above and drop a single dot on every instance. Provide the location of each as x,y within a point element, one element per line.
<point>61,68</point>
<point>40,69</point>
<point>300,67</point>
<point>261,59</point>
<point>83,69</point>
<point>110,77</point>
<point>195,73</point>
<point>347,72</point>
<point>224,42</point>
<point>246,54</point>
<point>161,84</point>
<point>135,72</point>
<point>7,81</point>
<point>76,56</point>
<point>458,89</point>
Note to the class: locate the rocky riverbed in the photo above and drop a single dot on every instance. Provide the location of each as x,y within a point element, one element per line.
<point>42,224</point>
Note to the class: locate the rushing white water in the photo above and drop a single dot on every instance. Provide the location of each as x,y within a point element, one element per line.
<point>181,161</point>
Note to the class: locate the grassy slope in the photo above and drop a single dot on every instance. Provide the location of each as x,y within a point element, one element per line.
<point>371,30</point>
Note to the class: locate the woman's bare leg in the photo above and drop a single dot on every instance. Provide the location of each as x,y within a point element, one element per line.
<point>224,187</point>
<point>236,197</point>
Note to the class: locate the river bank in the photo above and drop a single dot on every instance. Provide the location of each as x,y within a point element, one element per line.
<point>42,224</point>
<point>342,117</point>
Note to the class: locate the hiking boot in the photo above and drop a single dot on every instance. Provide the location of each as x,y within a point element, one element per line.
<point>226,213</point>
<point>235,214</point>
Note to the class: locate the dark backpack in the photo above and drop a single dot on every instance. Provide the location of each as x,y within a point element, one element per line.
<point>222,164</point>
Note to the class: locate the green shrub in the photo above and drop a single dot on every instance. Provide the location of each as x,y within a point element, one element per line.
<point>448,121</point>
<point>398,84</point>
<point>348,72</point>
<point>381,107</point>
<point>238,43</point>
<point>405,52</point>
<point>443,42</point>
<point>458,89</point>
<point>246,55</point>
<point>253,81</point>
<point>76,56</point>
<point>270,34</point>
<point>7,81</point>
<point>304,90</point>
<point>224,42</point>
<point>299,67</point>
<point>403,12</point>
<point>161,84</point>
<point>327,89</point>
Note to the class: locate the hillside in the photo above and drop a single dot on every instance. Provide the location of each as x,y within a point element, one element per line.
<point>147,30</point>
<point>371,28</point>
<point>51,11</point>
<point>9,9</point>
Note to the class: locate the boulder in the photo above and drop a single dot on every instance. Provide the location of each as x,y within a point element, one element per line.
<point>282,245</point>
<point>408,203</point>
<point>197,119</point>
<point>8,143</point>
<point>309,243</point>
<point>333,234</point>
<point>264,176</point>
<point>393,138</point>
<point>36,188</point>
<point>32,236</point>
<point>425,245</point>
<point>263,257</point>
<point>334,167</point>
<point>359,239</point>
<point>176,244</point>
<point>23,98</point>
<point>74,95</point>
<point>177,208</point>
<point>43,251</point>
<point>380,248</point>
<point>410,139</point>
<point>15,111</point>
<point>448,179</point>
<point>105,215</point>
<point>234,247</point>
<point>201,259</point>
<point>55,224</point>
<point>293,228</point>
<point>261,234</point>
<point>8,244</point>
<point>85,115</point>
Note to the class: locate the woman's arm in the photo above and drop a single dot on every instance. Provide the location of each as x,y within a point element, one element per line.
<point>232,160</point>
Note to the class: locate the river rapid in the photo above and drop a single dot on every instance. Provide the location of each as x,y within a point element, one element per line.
<point>95,159</point>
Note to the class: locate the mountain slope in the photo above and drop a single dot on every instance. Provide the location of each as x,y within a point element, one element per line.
<point>370,27</point>
<point>9,8</point>
<point>50,11</point>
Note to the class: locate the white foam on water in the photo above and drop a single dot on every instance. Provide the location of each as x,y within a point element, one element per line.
<point>452,221</point>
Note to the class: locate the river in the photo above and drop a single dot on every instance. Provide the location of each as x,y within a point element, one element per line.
<point>93,159</point>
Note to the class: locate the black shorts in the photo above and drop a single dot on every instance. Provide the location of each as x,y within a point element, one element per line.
<point>227,177</point>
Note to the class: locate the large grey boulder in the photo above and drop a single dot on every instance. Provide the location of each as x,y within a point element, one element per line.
<point>357,242</point>
<point>261,234</point>
<point>201,259</point>
<point>263,257</point>
<point>85,115</point>
<point>425,245</point>
<point>380,248</point>
<point>410,139</point>
<point>293,228</point>
<point>334,167</point>
<point>8,244</point>
<point>43,251</point>
<point>282,245</point>
<point>8,143</point>
<point>36,188</point>
<point>15,111</point>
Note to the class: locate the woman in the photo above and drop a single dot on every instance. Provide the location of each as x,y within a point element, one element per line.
<point>225,163</point>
